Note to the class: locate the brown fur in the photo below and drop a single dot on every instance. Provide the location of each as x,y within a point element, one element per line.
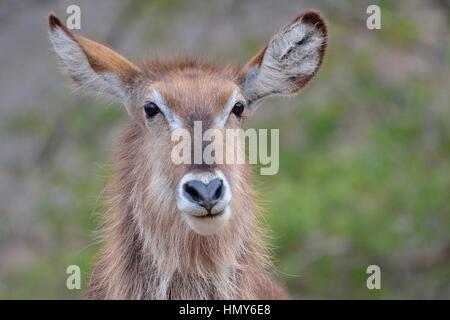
<point>144,237</point>
<point>126,270</point>
<point>148,251</point>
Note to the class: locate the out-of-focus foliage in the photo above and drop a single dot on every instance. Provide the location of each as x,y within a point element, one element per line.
<point>365,149</point>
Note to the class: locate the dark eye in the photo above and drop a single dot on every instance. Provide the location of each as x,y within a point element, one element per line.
<point>238,109</point>
<point>151,109</point>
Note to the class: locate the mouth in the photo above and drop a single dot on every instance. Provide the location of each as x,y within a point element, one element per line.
<point>210,215</point>
<point>208,224</point>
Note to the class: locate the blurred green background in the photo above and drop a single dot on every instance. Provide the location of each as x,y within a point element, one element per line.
<point>364,149</point>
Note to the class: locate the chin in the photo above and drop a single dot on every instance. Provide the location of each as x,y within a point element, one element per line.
<point>209,224</point>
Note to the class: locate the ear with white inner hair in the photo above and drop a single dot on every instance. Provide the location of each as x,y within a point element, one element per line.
<point>91,65</point>
<point>288,62</point>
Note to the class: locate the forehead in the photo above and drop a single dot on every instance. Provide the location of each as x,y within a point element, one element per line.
<point>192,86</point>
<point>195,93</point>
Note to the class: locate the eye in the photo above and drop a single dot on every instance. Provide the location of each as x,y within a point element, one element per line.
<point>151,109</point>
<point>238,109</point>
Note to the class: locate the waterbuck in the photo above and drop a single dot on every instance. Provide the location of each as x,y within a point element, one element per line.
<point>185,231</point>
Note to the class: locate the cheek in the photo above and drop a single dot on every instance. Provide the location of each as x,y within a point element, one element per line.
<point>233,122</point>
<point>156,125</point>
<point>158,145</point>
<point>137,115</point>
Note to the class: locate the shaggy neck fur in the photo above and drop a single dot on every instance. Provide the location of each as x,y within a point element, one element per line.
<point>150,253</point>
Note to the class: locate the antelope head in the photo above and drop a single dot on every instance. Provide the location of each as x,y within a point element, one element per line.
<point>163,97</point>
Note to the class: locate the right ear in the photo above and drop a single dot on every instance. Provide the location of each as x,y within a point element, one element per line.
<point>290,59</point>
<point>90,65</point>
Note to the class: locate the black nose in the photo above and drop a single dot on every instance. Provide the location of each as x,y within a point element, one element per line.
<point>205,195</point>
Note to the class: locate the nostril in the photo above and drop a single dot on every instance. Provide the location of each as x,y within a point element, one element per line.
<point>196,191</point>
<point>215,190</point>
<point>192,192</point>
<point>205,195</point>
<point>218,194</point>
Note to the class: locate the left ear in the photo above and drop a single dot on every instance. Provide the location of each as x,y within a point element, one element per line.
<point>90,65</point>
<point>289,60</point>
